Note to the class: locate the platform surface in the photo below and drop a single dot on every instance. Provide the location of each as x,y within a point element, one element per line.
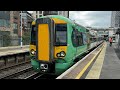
<point>12,50</point>
<point>107,65</point>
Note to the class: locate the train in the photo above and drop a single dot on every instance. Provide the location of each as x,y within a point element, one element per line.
<point>56,43</point>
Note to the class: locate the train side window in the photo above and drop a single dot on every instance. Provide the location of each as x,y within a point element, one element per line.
<point>74,37</point>
<point>77,38</point>
<point>84,38</point>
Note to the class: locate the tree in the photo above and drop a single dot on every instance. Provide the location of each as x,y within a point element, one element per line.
<point>6,40</point>
<point>26,38</point>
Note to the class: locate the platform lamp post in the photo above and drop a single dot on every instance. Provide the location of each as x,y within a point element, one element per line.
<point>21,44</point>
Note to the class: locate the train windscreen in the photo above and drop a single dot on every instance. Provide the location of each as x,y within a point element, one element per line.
<point>33,35</point>
<point>60,34</point>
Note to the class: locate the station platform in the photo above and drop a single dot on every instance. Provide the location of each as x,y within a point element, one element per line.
<point>13,50</point>
<point>105,66</point>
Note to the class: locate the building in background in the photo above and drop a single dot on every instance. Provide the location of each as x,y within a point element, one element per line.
<point>5,22</point>
<point>15,22</point>
<point>115,23</point>
<point>10,22</point>
<point>26,27</point>
<point>10,32</point>
<point>4,27</point>
<point>115,19</point>
<point>9,27</point>
<point>26,22</point>
<point>105,32</point>
<point>37,14</point>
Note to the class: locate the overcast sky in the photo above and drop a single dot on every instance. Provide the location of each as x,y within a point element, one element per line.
<point>100,19</point>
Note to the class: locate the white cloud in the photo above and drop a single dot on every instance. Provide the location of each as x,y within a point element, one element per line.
<point>92,18</point>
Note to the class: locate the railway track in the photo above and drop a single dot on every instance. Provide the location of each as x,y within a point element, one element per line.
<point>16,74</point>
<point>34,76</point>
<point>41,76</point>
<point>27,73</point>
<point>13,66</point>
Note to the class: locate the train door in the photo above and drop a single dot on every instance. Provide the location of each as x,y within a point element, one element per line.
<point>88,41</point>
<point>45,39</point>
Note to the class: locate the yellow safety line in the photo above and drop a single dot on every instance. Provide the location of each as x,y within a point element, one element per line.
<point>96,68</point>
<point>84,69</point>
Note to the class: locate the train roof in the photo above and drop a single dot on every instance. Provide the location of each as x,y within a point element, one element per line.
<point>65,19</point>
<point>59,17</point>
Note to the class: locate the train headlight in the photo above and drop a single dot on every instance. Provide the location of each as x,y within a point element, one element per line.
<point>33,52</point>
<point>58,54</point>
<point>62,54</point>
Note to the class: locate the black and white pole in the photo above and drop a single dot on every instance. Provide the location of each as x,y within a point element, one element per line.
<point>21,30</point>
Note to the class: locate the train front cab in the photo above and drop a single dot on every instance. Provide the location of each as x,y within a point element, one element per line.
<point>50,46</point>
